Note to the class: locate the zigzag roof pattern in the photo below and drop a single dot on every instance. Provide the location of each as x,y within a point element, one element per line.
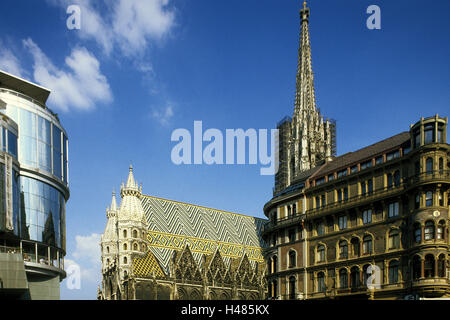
<point>172,224</point>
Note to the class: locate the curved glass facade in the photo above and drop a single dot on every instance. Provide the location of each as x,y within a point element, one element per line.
<point>41,185</point>
<point>42,215</point>
<point>43,144</point>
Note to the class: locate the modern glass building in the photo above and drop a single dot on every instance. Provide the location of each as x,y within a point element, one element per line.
<point>34,188</point>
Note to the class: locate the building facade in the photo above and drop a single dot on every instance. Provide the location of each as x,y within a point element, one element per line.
<point>159,249</point>
<point>34,189</point>
<point>370,224</point>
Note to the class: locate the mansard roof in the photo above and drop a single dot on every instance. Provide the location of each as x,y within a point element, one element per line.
<point>366,153</point>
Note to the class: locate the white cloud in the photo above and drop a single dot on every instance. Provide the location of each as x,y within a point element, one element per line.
<point>10,63</point>
<point>163,115</point>
<point>87,256</point>
<point>80,86</point>
<point>88,248</point>
<point>127,25</point>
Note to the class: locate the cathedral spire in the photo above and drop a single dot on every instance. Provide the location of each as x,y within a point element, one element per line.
<point>305,95</point>
<point>113,202</point>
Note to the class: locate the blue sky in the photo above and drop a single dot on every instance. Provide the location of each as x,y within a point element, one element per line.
<point>136,71</point>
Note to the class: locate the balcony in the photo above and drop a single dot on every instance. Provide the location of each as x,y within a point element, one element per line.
<point>282,222</point>
<point>430,176</point>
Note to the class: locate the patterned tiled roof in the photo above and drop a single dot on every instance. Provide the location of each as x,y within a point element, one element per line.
<point>172,225</point>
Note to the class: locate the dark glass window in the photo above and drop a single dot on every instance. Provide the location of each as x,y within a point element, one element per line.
<point>429,230</point>
<point>379,160</point>
<point>370,186</point>
<point>367,245</point>
<point>429,165</point>
<point>342,222</point>
<point>394,239</point>
<point>363,188</point>
<point>292,259</point>
<point>343,278</point>
<point>429,199</point>
<point>393,271</point>
<point>343,249</point>
<point>429,133</point>
<point>321,282</point>
<point>367,216</point>
<point>321,253</point>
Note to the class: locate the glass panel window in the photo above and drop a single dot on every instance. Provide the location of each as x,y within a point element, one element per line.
<point>429,230</point>
<point>393,210</point>
<point>367,216</point>
<point>367,245</point>
<point>331,177</point>
<point>321,229</point>
<point>429,199</point>
<point>393,272</point>
<point>321,253</point>
<point>354,169</point>
<point>366,164</point>
<point>345,194</point>
<point>342,222</point>
<point>342,173</point>
<point>321,282</point>
<point>343,278</point>
<point>12,144</point>
<point>369,186</point>
<point>429,134</point>
<point>363,188</point>
<point>418,234</point>
<point>394,239</point>
<point>343,250</point>
<point>379,160</point>
<point>429,165</point>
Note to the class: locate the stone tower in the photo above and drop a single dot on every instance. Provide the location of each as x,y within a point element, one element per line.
<point>126,230</point>
<point>306,139</point>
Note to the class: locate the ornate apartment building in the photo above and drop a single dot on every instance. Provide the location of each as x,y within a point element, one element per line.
<point>370,224</point>
<point>159,249</point>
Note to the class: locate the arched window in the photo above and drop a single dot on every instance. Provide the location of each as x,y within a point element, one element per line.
<point>355,277</point>
<point>429,266</point>
<point>441,266</point>
<point>135,234</point>
<point>144,248</point>
<point>429,230</point>
<point>343,278</point>
<point>417,268</point>
<point>275,289</point>
<point>429,165</point>
<point>125,246</point>
<point>321,253</point>
<point>355,247</point>
<point>292,288</point>
<point>393,271</point>
<point>125,261</point>
<point>366,275</point>
<point>292,259</point>
<point>441,165</point>
<point>429,199</point>
<point>394,239</point>
<point>321,282</point>
<point>107,261</point>
<point>135,247</point>
<point>343,249</point>
<point>367,244</point>
<point>274,264</point>
<point>107,249</point>
<point>124,233</point>
<point>417,233</point>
